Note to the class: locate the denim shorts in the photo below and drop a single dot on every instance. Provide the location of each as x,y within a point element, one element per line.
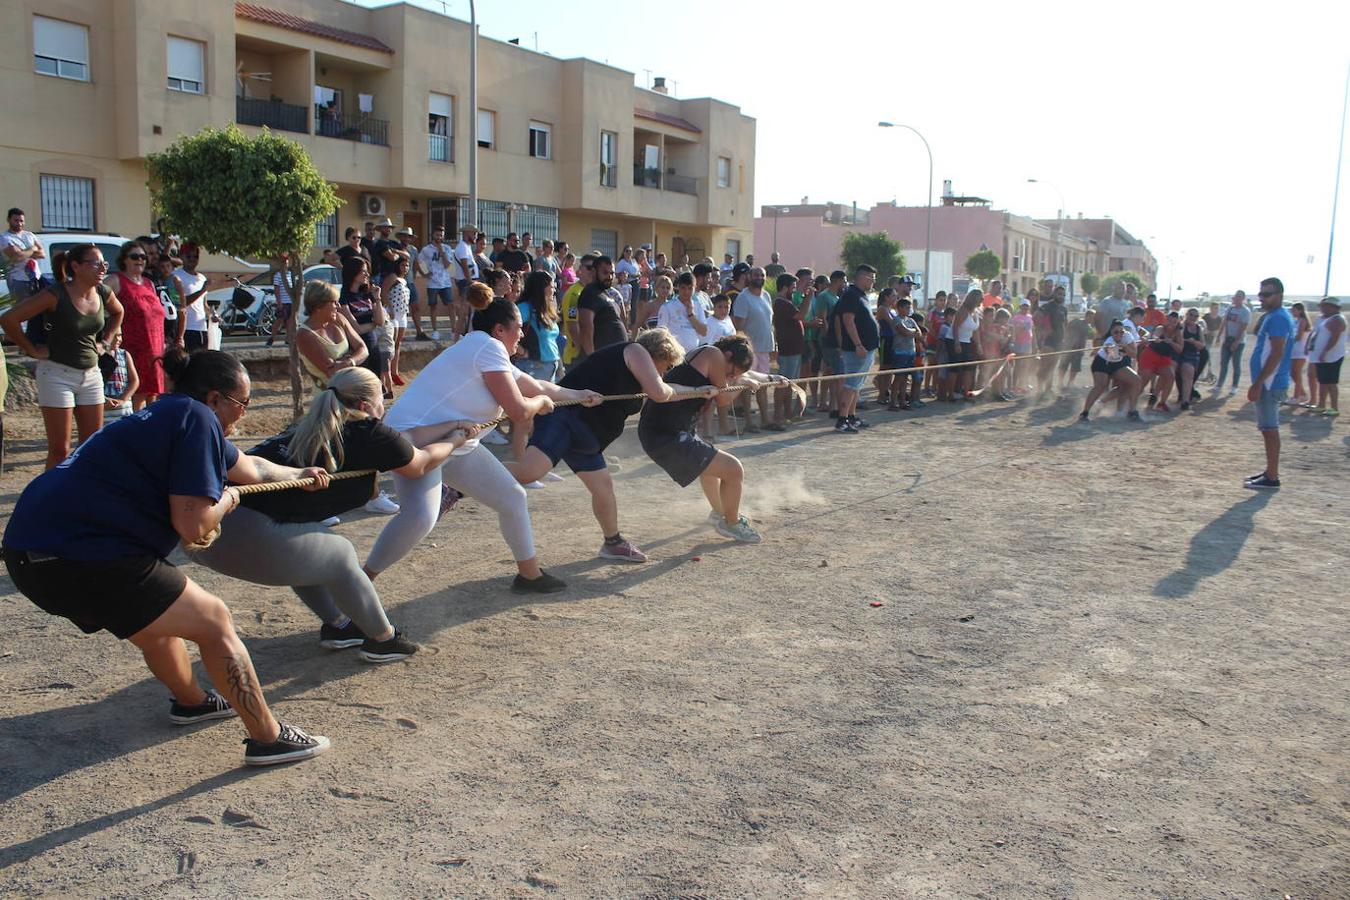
<point>562,435</point>
<point>906,361</point>
<point>437,296</point>
<point>1268,410</point>
<point>852,365</point>
<point>540,370</point>
<point>790,366</point>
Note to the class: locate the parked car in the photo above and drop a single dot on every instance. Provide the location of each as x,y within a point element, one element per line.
<point>55,242</point>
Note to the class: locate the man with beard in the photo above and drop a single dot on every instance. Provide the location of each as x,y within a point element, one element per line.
<point>599,311</point>
<point>1270,367</point>
<point>752,313</point>
<point>513,259</point>
<point>1056,318</point>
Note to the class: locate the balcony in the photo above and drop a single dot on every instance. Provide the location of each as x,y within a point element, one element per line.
<point>271,114</point>
<point>654,178</point>
<point>361,128</point>
<point>440,148</point>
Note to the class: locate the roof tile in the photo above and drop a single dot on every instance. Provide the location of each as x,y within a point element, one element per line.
<point>256,13</point>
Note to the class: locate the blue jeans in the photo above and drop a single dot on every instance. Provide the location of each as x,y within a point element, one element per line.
<point>438,295</point>
<point>850,364</point>
<point>540,370</point>
<point>1230,353</point>
<point>790,366</point>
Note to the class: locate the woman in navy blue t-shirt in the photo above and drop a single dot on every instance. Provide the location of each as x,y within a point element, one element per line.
<point>115,508</point>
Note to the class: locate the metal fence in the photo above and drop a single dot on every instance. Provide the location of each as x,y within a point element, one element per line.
<point>67,203</point>
<point>440,148</point>
<point>361,127</point>
<point>271,113</point>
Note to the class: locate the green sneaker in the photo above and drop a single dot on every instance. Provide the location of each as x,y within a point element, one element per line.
<point>741,531</point>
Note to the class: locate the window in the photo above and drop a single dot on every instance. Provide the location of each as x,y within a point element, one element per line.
<point>440,128</point>
<point>1043,256</point>
<point>67,203</point>
<point>605,241</point>
<point>734,248</point>
<point>326,232</point>
<point>487,128</point>
<point>609,159</point>
<point>723,171</point>
<point>1019,255</point>
<point>187,65</point>
<point>541,136</point>
<point>60,49</point>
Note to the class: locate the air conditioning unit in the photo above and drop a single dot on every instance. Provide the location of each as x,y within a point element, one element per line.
<point>373,205</point>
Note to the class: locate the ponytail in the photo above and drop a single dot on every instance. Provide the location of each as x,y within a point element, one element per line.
<point>64,259</point>
<point>201,372</point>
<point>317,438</point>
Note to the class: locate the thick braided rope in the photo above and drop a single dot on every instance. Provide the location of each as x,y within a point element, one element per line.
<point>289,484</point>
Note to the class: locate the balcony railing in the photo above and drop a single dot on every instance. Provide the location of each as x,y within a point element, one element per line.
<point>361,127</point>
<point>655,178</point>
<point>645,177</point>
<point>272,113</point>
<point>440,148</point>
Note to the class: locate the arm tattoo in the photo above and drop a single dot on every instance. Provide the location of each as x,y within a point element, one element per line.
<point>245,694</point>
<point>270,471</point>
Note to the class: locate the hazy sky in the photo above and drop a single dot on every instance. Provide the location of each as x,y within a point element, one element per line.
<point>1209,129</point>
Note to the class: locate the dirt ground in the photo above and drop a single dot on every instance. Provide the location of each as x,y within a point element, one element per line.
<point>1099,668</point>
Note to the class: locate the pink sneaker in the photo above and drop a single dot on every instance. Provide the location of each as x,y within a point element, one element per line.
<point>624,551</point>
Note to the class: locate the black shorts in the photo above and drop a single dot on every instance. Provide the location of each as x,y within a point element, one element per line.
<point>1108,368</point>
<point>120,595</point>
<point>194,340</point>
<point>1329,373</point>
<point>684,456</point>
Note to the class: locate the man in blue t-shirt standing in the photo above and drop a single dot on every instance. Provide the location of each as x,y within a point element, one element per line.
<point>1270,377</point>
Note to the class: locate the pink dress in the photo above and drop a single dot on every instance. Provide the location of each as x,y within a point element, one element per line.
<point>143,331</point>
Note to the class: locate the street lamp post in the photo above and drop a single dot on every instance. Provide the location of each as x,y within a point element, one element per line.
<point>473,116</point>
<point>928,236</point>
<point>776,211</point>
<point>1336,193</point>
<point>1059,228</point>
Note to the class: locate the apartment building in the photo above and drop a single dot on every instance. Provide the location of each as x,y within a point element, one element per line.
<point>567,148</point>
<point>813,234</point>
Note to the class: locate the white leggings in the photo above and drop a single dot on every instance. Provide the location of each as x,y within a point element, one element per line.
<point>477,474</point>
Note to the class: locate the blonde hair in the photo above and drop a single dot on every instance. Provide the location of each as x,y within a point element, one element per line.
<point>662,346</point>
<point>317,438</point>
<point>480,295</point>
<point>317,294</point>
<point>663,281</point>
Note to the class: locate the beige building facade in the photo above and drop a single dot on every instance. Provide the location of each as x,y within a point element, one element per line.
<point>568,148</point>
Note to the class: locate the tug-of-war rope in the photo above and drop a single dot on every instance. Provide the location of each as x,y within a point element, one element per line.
<point>1004,362</point>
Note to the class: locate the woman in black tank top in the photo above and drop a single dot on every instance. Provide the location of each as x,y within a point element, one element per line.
<point>667,434</point>
<point>1193,341</point>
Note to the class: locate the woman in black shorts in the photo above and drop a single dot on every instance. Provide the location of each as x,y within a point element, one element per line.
<point>666,431</point>
<point>126,497</point>
<point>1192,345</point>
<point>1112,363</point>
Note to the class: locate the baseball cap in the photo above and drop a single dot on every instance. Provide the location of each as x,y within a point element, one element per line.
<point>909,279</point>
<point>740,269</point>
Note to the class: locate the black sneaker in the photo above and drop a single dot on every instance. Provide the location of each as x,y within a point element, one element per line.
<point>1133,415</point>
<point>1256,477</point>
<point>1082,417</point>
<point>1263,484</point>
<point>331,638</point>
<point>396,648</point>
<point>544,584</point>
<point>213,707</point>
<point>859,423</point>
<point>290,746</point>
<point>844,426</point>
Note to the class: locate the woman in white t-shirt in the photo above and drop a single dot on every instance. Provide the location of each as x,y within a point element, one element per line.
<point>471,381</point>
<point>1112,364</point>
<point>191,287</point>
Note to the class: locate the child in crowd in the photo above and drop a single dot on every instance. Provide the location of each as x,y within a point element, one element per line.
<point>946,353</point>
<point>1023,344</point>
<point>119,379</point>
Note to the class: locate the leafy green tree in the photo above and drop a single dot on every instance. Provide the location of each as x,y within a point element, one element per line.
<point>1111,283</point>
<point>876,250</point>
<point>984,264</point>
<point>246,196</point>
<point>1089,283</point>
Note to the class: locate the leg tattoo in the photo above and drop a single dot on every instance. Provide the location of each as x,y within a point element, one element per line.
<point>246,695</point>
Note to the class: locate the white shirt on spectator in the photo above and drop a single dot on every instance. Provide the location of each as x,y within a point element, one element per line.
<point>464,251</point>
<point>196,310</point>
<point>441,269</point>
<point>675,318</point>
<point>21,240</point>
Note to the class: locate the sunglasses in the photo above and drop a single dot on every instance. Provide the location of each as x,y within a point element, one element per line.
<point>242,404</point>
<point>96,263</point>
<point>1265,293</point>
<point>140,256</point>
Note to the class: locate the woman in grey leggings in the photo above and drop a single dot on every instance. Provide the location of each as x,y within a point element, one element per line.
<point>278,539</point>
<point>474,380</point>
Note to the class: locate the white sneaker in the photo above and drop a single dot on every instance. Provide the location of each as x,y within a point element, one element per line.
<point>494,437</point>
<point>331,521</point>
<point>552,476</point>
<point>383,504</point>
<point>534,486</point>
